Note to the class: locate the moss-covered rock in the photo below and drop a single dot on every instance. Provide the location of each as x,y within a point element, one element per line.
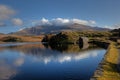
<point>65,38</point>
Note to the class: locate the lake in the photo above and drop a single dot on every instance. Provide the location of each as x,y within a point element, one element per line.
<point>35,61</point>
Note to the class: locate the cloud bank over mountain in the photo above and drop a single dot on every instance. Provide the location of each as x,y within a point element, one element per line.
<point>63,21</point>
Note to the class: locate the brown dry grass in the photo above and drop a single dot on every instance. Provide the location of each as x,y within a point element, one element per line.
<point>24,38</point>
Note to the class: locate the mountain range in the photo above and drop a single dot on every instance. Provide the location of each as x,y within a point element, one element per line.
<point>47,29</point>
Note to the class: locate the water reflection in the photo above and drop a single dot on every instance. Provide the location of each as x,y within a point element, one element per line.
<point>6,70</point>
<point>40,53</point>
<point>20,61</point>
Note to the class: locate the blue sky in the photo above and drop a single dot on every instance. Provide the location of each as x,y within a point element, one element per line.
<point>17,14</point>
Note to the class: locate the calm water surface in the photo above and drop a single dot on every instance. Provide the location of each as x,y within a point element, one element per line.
<point>39,62</point>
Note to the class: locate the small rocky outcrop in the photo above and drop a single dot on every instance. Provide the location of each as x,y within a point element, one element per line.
<point>83,42</point>
<point>67,38</point>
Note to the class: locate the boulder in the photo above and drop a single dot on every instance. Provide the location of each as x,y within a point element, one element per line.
<point>83,42</point>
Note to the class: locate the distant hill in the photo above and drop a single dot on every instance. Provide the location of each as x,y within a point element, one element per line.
<point>116,32</point>
<point>1,33</point>
<point>37,30</point>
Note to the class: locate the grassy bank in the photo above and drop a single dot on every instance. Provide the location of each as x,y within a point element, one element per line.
<point>108,68</point>
<point>16,38</point>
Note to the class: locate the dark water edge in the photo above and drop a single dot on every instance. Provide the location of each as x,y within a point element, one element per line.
<point>35,61</point>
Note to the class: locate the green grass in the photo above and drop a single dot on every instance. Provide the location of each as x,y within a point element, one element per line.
<point>109,64</point>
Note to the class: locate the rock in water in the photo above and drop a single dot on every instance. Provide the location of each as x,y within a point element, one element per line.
<point>83,42</point>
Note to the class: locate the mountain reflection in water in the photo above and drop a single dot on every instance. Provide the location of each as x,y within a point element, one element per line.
<point>14,60</point>
<point>39,52</point>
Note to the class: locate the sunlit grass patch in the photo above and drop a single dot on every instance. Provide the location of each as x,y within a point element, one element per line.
<point>109,65</point>
<point>112,54</point>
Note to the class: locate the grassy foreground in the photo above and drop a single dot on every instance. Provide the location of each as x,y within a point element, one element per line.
<point>108,68</point>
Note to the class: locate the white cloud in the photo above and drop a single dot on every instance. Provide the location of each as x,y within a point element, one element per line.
<point>60,21</point>
<point>43,21</point>
<point>17,22</point>
<point>6,12</point>
<point>117,26</point>
<point>63,21</point>
<point>92,22</point>
<point>78,21</point>
<point>84,22</point>
<point>2,24</point>
<point>110,27</point>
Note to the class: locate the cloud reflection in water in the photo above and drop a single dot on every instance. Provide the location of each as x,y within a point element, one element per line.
<point>6,71</point>
<point>61,58</point>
